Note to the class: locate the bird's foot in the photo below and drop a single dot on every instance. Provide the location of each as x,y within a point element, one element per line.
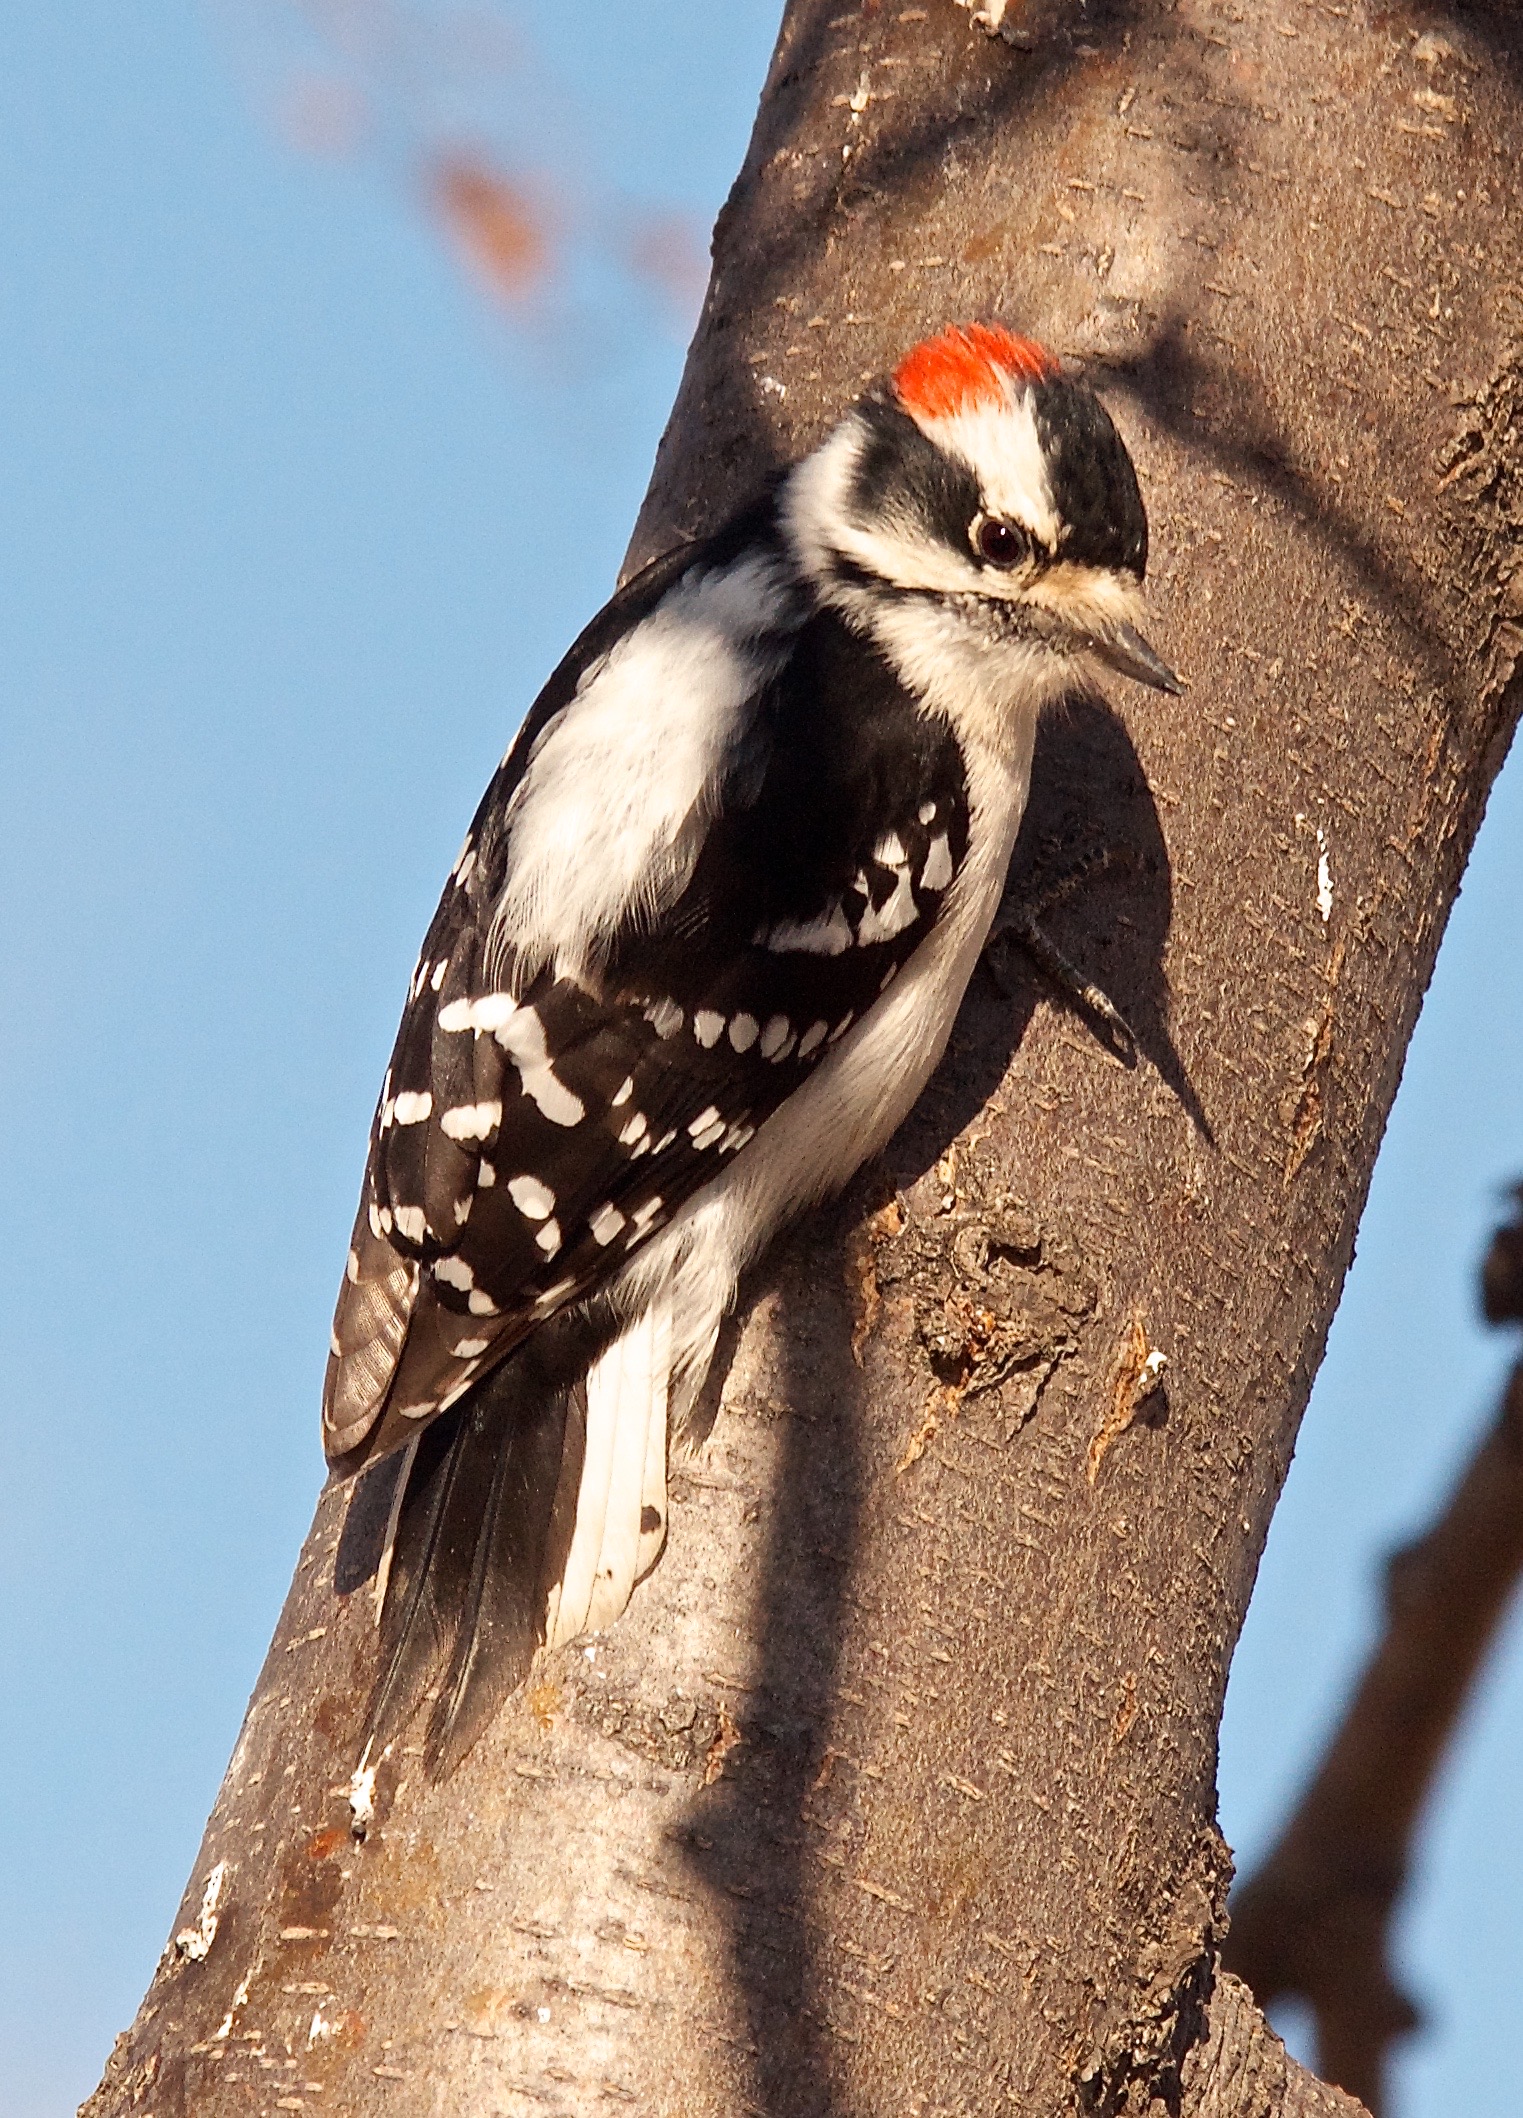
<point>1021,924</point>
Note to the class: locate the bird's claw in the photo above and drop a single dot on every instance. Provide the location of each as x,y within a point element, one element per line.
<point>1087,998</point>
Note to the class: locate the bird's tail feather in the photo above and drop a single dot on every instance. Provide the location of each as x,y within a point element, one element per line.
<point>413,1614</point>
<point>525,1517</point>
<point>501,1620</point>
<point>467,1557</point>
<point>620,1483</point>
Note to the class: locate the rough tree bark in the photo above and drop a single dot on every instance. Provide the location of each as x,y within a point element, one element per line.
<point>894,1791</point>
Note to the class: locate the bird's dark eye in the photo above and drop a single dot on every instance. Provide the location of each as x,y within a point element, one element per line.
<point>1001,543</point>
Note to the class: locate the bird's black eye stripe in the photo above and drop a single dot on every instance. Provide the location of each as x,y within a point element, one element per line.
<point>1000,543</point>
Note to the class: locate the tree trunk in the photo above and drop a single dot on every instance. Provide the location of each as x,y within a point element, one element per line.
<point>893,1792</point>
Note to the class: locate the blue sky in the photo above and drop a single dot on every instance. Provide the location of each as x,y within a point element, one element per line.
<point>293,520</point>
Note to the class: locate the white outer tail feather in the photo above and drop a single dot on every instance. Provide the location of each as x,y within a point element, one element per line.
<point>623,1474</point>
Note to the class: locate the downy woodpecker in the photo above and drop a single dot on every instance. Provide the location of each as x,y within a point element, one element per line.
<point>700,952</point>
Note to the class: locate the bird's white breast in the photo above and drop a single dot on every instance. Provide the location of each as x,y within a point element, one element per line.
<point>814,1143</point>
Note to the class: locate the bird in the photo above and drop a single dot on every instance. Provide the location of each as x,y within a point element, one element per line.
<point>700,952</point>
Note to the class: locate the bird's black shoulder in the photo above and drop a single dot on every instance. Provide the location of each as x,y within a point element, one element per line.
<point>842,754</point>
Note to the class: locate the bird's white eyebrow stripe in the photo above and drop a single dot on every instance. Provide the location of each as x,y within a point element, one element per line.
<point>998,441</point>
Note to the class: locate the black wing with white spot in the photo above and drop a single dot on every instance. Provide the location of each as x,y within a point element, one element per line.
<point>534,1132</point>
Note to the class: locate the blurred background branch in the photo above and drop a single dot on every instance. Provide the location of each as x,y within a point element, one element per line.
<point>463,109</point>
<point>1314,1922</point>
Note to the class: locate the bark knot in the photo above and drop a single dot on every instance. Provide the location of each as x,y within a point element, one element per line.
<point>997,1297</point>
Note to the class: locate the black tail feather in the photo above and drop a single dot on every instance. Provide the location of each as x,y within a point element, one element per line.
<point>478,1540</point>
<point>426,1565</point>
<point>502,1611</point>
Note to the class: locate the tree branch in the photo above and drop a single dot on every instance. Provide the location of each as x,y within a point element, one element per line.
<point>1241,2069</point>
<point>1314,1921</point>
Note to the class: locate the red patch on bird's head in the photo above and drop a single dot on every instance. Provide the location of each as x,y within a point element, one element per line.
<point>967,365</point>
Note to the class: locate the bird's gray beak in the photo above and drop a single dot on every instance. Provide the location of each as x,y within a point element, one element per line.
<point>1123,648</point>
